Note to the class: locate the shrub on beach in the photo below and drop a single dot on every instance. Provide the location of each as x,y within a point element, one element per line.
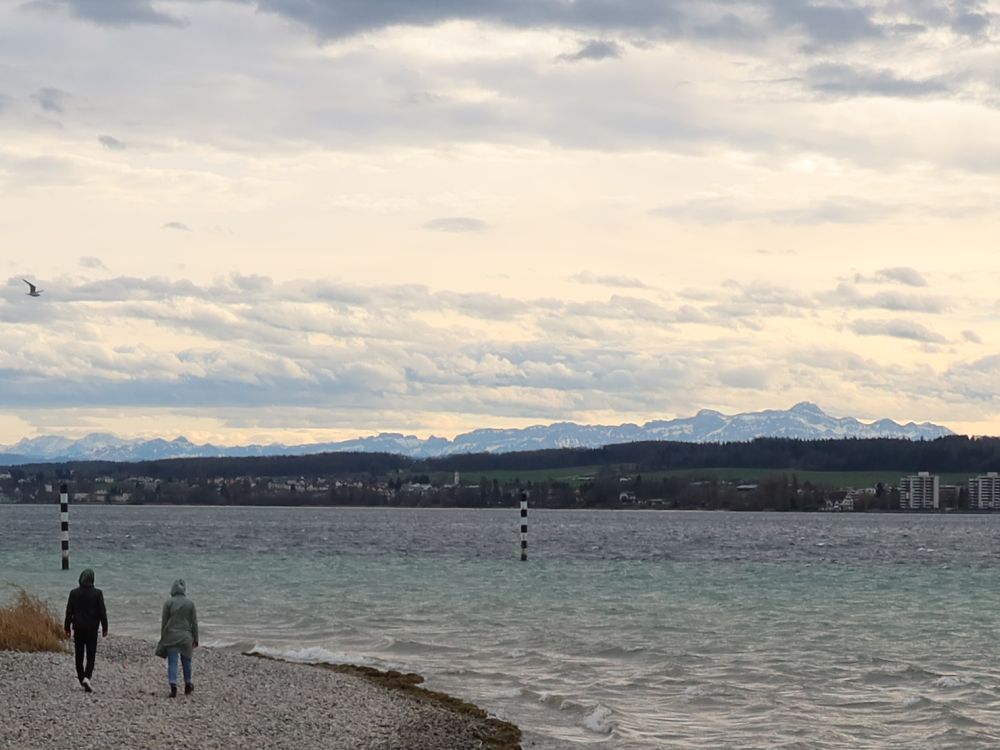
<point>29,624</point>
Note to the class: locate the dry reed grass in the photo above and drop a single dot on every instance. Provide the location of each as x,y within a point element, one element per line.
<point>29,624</point>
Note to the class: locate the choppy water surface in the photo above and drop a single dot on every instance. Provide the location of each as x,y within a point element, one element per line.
<point>623,630</point>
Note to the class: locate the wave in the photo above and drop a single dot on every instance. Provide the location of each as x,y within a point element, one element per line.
<point>913,701</point>
<point>693,692</point>
<point>908,673</point>
<point>311,655</point>
<point>599,720</point>
<point>413,646</point>
<point>514,692</point>
<point>217,643</point>
<point>952,681</point>
<point>596,718</point>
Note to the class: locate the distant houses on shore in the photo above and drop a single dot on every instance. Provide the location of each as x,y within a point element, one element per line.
<point>605,487</point>
<point>924,491</point>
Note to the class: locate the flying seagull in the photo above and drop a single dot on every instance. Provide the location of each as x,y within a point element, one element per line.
<point>33,291</point>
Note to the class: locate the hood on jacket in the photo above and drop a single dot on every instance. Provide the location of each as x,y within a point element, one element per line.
<point>179,587</point>
<point>87,577</point>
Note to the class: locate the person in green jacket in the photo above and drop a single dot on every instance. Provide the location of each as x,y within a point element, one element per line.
<point>178,636</point>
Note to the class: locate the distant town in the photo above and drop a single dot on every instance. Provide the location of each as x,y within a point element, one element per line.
<point>606,488</point>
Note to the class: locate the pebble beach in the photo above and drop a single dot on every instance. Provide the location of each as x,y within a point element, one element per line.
<point>239,702</point>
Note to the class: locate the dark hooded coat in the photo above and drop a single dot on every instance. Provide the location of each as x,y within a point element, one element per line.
<point>179,623</point>
<point>85,610</point>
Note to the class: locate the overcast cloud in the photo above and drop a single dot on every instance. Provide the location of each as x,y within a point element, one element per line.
<point>436,216</point>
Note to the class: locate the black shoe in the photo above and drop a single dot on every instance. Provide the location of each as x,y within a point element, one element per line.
<point>173,691</point>
<point>188,688</point>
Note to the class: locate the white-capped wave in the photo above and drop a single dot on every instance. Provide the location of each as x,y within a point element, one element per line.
<point>310,655</point>
<point>599,720</point>
<point>950,681</point>
<point>218,643</point>
<point>558,701</point>
<point>705,691</point>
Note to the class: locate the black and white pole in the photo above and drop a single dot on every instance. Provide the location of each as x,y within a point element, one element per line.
<point>524,525</point>
<point>64,523</point>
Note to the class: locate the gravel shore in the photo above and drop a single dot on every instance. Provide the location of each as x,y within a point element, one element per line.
<point>238,702</point>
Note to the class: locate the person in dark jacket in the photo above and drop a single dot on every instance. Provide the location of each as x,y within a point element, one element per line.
<point>178,635</point>
<point>85,612</point>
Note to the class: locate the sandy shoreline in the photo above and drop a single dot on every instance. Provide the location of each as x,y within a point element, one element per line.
<point>239,702</point>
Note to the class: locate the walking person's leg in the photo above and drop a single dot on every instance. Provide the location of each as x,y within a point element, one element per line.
<point>172,671</point>
<point>78,646</point>
<point>187,667</point>
<point>90,646</point>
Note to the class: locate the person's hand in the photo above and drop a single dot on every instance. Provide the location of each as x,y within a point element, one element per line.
<point>67,632</point>
<point>104,633</point>
<point>196,644</point>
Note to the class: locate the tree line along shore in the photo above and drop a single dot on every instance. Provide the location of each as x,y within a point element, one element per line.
<point>763,474</point>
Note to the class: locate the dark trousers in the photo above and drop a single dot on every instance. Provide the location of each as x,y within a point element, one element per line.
<point>84,641</point>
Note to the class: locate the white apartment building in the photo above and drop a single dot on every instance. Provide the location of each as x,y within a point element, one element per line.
<point>920,491</point>
<point>984,492</point>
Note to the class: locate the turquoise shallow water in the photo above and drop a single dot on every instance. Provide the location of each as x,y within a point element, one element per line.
<point>623,630</point>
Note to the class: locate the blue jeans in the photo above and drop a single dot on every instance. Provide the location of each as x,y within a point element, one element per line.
<point>172,655</point>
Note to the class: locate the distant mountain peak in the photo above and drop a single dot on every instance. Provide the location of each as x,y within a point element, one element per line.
<point>805,421</point>
<point>807,407</point>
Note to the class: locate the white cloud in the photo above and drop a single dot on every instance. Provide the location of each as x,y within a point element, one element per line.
<point>111,143</point>
<point>715,166</point>
<point>90,261</point>
<point>607,279</point>
<point>456,224</point>
<point>901,329</point>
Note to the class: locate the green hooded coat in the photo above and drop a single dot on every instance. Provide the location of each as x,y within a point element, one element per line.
<point>179,624</point>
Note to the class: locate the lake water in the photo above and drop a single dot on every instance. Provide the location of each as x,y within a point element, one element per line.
<point>623,630</point>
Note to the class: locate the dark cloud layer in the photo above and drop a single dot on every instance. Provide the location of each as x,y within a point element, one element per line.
<point>109,12</point>
<point>823,24</point>
<point>595,49</point>
<point>827,23</point>
<point>51,99</point>
<point>845,80</point>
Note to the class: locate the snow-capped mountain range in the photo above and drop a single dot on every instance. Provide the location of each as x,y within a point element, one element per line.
<point>804,421</point>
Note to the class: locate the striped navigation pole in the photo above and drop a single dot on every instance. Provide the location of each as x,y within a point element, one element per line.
<point>64,523</point>
<point>524,525</point>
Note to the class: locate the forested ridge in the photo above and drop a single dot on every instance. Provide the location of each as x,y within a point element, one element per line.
<point>954,453</point>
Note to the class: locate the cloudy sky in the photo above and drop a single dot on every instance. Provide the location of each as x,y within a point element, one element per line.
<point>316,219</point>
